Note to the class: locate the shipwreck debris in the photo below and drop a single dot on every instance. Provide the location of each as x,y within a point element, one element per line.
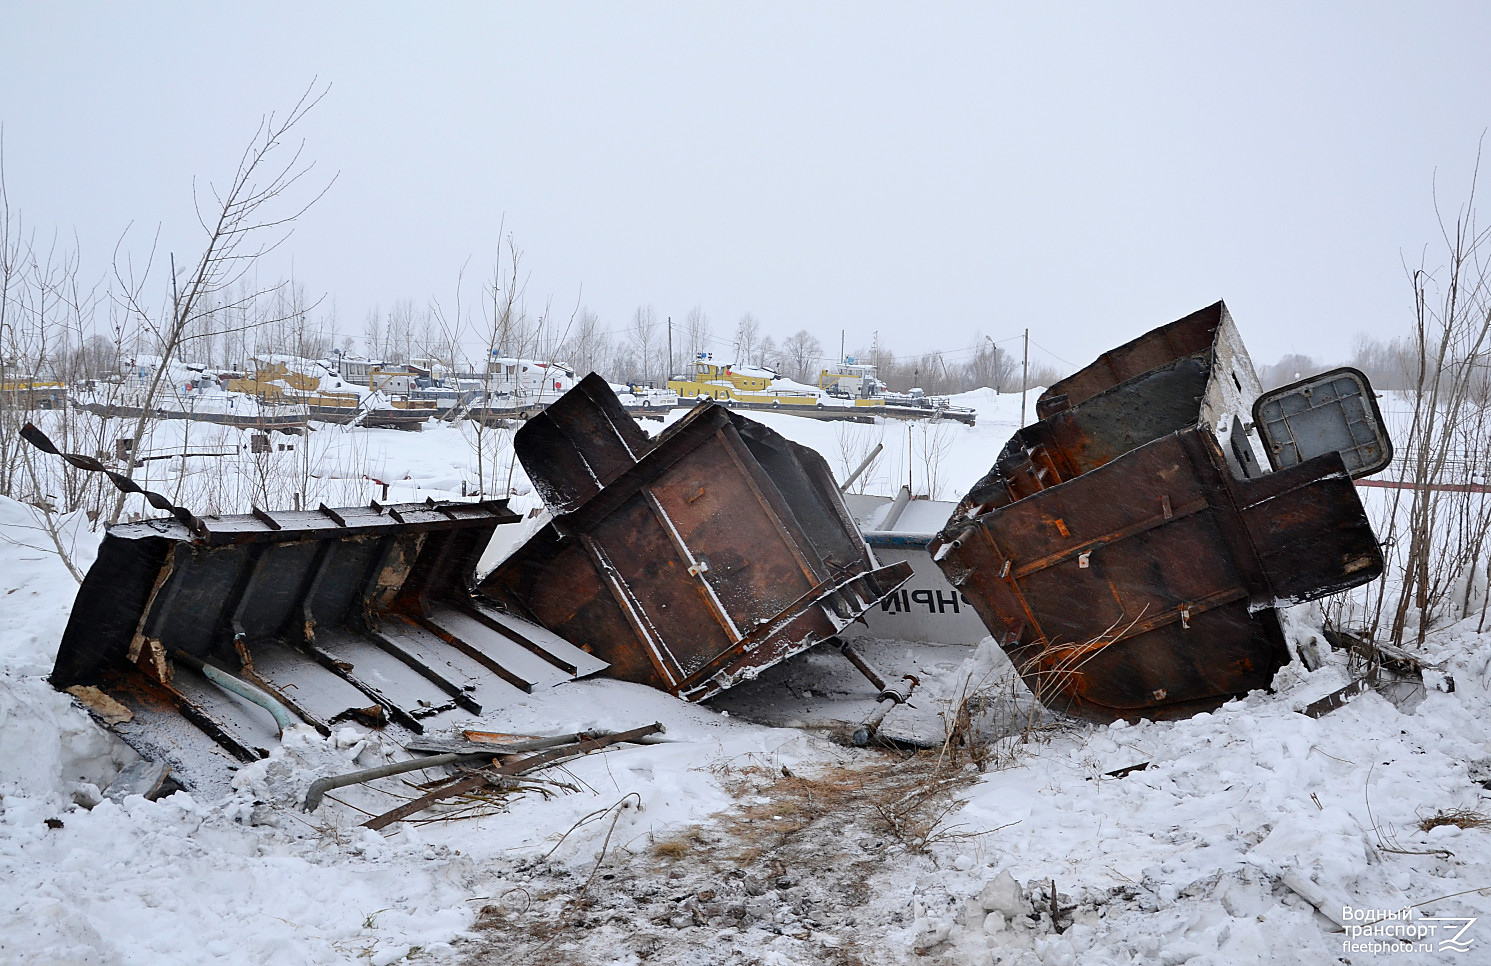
<point>1343,696</point>
<point>148,778</point>
<point>1128,549</point>
<point>321,786</point>
<point>891,693</point>
<point>1391,671</point>
<point>519,766</point>
<point>211,635</point>
<point>689,562</point>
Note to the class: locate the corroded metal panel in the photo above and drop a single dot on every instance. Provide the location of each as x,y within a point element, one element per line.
<point>1127,562</point>
<point>1192,335</point>
<point>719,550</point>
<point>357,612</point>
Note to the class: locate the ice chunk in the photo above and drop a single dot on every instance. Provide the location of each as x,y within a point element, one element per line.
<point>1003,894</point>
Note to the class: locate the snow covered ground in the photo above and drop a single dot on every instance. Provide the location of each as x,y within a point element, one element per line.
<point>1207,855</point>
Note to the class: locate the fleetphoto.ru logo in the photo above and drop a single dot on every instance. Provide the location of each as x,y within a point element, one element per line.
<point>1404,931</point>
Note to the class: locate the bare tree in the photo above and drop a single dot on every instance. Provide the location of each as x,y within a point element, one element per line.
<point>801,351</point>
<point>696,333</point>
<point>242,223</point>
<point>401,330</point>
<point>372,334</point>
<point>45,320</point>
<point>644,339</point>
<point>1289,368</point>
<point>856,444</point>
<point>985,365</point>
<point>1387,363</point>
<point>1043,374</point>
<point>1447,435</point>
<point>94,358</point>
<point>747,338</point>
<point>503,329</point>
<point>931,441</point>
<point>450,329</point>
<point>991,366</point>
<point>588,348</point>
<point>767,354</point>
<point>931,374</point>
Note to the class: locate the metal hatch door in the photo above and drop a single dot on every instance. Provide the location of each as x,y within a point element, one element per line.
<point>1334,411</point>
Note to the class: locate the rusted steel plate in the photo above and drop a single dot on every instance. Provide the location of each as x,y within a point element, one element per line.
<point>1122,554</point>
<point>1190,336</point>
<point>355,612</point>
<point>688,562</point>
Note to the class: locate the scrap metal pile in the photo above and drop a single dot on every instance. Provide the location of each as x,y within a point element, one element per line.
<point>216,634</point>
<point>689,562</point>
<point>1129,549</point>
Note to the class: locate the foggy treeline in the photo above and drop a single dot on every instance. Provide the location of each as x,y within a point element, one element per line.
<point>638,351</point>
<point>1389,364</point>
<point>60,327</point>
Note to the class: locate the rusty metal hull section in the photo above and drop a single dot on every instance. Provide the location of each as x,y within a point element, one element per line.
<point>689,562</point>
<point>1127,558</point>
<point>363,613</point>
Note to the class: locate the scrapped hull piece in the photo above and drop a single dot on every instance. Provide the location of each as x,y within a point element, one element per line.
<point>689,562</point>
<point>1128,550</point>
<point>362,613</point>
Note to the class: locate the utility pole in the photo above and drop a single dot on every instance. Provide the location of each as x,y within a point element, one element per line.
<point>1024,377</point>
<point>841,348</point>
<point>669,374</point>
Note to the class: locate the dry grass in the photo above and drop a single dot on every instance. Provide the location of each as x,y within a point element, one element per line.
<point>807,845</point>
<point>906,797</point>
<point>994,722</point>
<point>1458,817</point>
<point>679,846</point>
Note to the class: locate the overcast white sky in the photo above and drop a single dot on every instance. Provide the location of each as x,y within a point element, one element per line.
<point>927,171</point>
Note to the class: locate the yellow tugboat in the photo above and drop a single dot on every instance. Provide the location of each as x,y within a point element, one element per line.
<point>727,382</point>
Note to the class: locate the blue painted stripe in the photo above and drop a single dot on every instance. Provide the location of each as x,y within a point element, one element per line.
<point>891,538</point>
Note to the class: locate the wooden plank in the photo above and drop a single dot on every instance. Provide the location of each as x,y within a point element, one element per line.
<point>450,664</point>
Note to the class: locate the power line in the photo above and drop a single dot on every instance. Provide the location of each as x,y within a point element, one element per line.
<point>1054,355</point>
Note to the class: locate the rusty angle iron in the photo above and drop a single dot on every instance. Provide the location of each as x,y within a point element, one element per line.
<point>691,561</point>
<point>1128,550</point>
<point>363,613</point>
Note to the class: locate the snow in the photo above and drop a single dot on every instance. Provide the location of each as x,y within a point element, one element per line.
<point>251,879</point>
<point>1209,855</point>
<point>1230,804</point>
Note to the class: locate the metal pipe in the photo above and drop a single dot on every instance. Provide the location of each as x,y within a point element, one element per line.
<point>895,538</point>
<point>870,725</point>
<point>898,692</point>
<point>539,744</point>
<point>282,715</point>
<point>897,507</point>
<point>321,786</point>
<point>844,487</point>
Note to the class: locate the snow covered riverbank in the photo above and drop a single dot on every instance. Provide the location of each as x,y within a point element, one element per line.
<point>1206,855</point>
